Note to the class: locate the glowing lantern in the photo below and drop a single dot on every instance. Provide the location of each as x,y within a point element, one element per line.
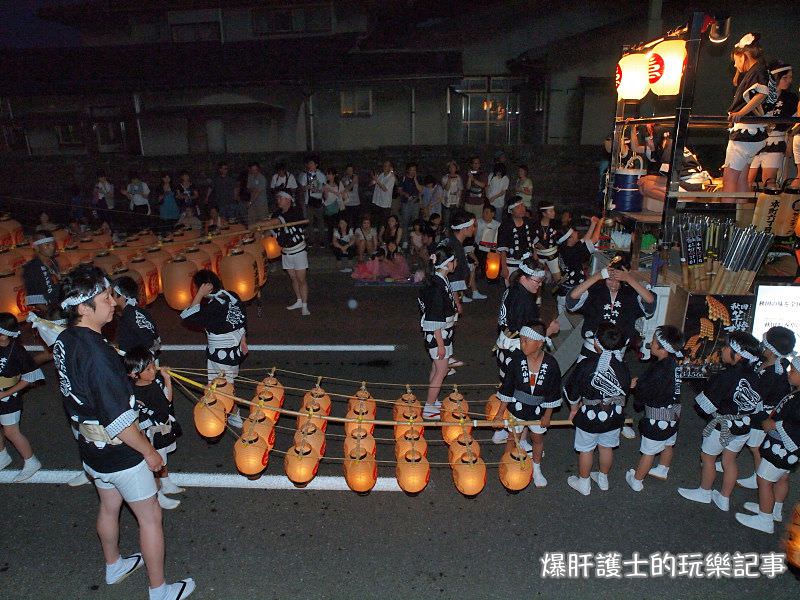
<point>125,252</point>
<point>89,243</point>
<point>103,237</point>
<point>178,243</point>
<point>407,400</point>
<point>209,417</point>
<point>267,402</point>
<point>66,258</point>
<point>360,438</point>
<point>149,274</point>
<point>214,253</point>
<point>313,413</point>
<point>492,265</point>
<point>665,67</point>
<point>516,470</point>
<point>301,464</point>
<point>223,392</point>
<point>200,259</point>
<point>273,386</point>
<point>263,427</point>
<point>410,413</point>
<point>411,440</point>
<point>271,247</point>
<point>451,432</point>
<point>11,229</point>
<point>469,474</point>
<point>493,405</point>
<point>12,296</point>
<point>176,276</point>
<point>257,252</point>
<point>107,261</point>
<point>62,238</point>
<point>793,539</point>
<point>147,238</point>
<point>361,400</point>
<point>10,260</point>
<point>226,238</point>
<point>413,472</point>
<point>632,78</point>
<point>239,274</point>
<point>360,470</point>
<point>125,272</point>
<point>403,428</point>
<point>359,412</point>
<point>251,454</point>
<point>158,256</point>
<point>464,443</point>
<point>25,251</point>
<point>317,395</point>
<point>312,435</point>
<point>454,402</point>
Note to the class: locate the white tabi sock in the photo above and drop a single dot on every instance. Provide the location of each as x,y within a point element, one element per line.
<point>777,512</point>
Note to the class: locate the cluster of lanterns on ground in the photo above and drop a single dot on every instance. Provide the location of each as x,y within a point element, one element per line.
<point>360,465</point>
<point>659,70</point>
<point>162,265</point>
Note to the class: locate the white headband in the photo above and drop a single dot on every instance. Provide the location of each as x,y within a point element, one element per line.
<point>463,225</point>
<point>12,334</point>
<point>537,273</point>
<point>606,355</point>
<point>547,207</point>
<point>76,300</point>
<point>45,240</point>
<point>565,237</point>
<point>531,333</point>
<point>514,205</point>
<point>286,194</point>
<point>129,301</point>
<point>443,263</point>
<point>778,366</point>
<point>795,360</point>
<point>742,352</point>
<point>782,69</point>
<point>746,40</point>
<point>666,345</point>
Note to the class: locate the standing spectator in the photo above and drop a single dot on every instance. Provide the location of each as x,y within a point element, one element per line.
<point>137,194</point>
<point>352,201</point>
<point>103,197</point>
<point>475,188</point>
<point>332,202</point>
<point>222,192</point>
<point>432,198</point>
<point>366,239</point>
<point>257,188</point>
<point>167,204</point>
<point>186,194</point>
<point>311,183</point>
<point>453,187</point>
<point>409,193</point>
<point>486,235</point>
<point>282,181</point>
<point>523,188</point>
<point>496,187</point>
<point>383,183</point>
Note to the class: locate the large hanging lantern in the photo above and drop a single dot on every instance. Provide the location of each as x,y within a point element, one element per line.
<point>516,470</point>
<point>126,272</point>
<point>149,274</point>
<point>666,63</point>
<point>413,472</point>
<point>107,261</point>
<point>469,474</point>
<point>632,77</point>
<point>463,443</point>
<point>12,296</point>
<point>492,265</point>
<point>158,256</point>
<point>209,417</point>
<point>360,437</point>
<point>214,253</point>
<point>411,440</point>
<point>200,259</point>
<point>460,425</point>
<point>177,279</point>
<point>62,238</point>
<point>271,247</point>
<point>239,273</point>
<point>10,261</point>
<point>255,250</point>
<point>11,230</point>
<point>267,402</point>
<point>310,434</point>
<point>251,454</point>
<point>317,395</point>
<point>360,471</point>
<point>301,464</point>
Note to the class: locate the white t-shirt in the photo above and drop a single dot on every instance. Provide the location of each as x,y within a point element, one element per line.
<point>379,197</point>
<point>497,184</point>
<point>372,234</point>
<point>351,198</point>
<point>312,184</point>
<point>486,234</point>
<point>343,238</point>
<point>452,195</point>
<point>138,194</point>
<point>105,191</point>
<point>288,181</point>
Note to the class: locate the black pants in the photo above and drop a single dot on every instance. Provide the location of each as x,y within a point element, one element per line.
<point>349,253</point>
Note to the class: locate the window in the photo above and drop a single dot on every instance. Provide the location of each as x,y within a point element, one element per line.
<point>68,135</point>
<point>302,19</point>
<point>356,103</point>
<point>196,32</point>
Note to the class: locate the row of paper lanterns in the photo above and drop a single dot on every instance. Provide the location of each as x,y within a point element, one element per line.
<point>301,462</point>
<point>660,70</point>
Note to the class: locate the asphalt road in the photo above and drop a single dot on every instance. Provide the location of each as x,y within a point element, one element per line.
<point>240,543</point>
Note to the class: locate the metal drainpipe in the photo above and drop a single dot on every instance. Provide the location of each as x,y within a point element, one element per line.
<point>413,115</point>
<point>137,108</point>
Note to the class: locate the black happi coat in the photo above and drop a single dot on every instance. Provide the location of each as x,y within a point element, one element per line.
<point>733,391</point>
<point>16,361</point>
<point>528,400</point>
<point>586,382</point>
<point>516,241</point>
<point>137,328</point>
<point>41,282</point>
<point>596,307</point>
<point>659,388</point>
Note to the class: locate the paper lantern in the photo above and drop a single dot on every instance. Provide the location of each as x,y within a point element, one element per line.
<point>214,253</point>
<point>301,464</point>
<point>209,417</point>
<point>158,256</point>
<point>176,277</point>
<point>149,274</point>
<point>62,238</point>
<point>271,247</point>
<point>223,391</point>
<point>200,259</point>
<point>666,63</point>
<point>413,472</point>
<point>25,251</point>
<point>493,405</point>
<point>10,260</point>
<point>123,271</point>
<point>250,453</point>
<point>792,543</point>
<point>10,231</point>
<point>239,273</point>
<point>463,443</point>
<point>272,385</point>
<point>406,400</point>
<point>317,395</point>
<point>125,252</point>
<point>12,296</point>
<point>515,470</point>
<point>313,413</point>
<point>228,238</point>
<point>410,413</point>
<point>107,261</point>
<point>360,437</point>
<point>362,399</point>
<point>89,243</point>
<point>403,428</point>
<point>147,238</point>
<point>492,265</point>
<point>632,77</point>
<point>358,413</point>
<point>257,252</point>
<point>469,474</point>
<point>267,402</point>
<point>67,258</point>
<point>460,425</point>
<point>178,242</point>
<point>263,426</point>
<point>103,237</point>
<point>454,402</point>
<point>360,471</point>
<point>411,440</point>
<point>310,434</point>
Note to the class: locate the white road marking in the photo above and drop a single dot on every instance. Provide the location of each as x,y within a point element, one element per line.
<point>274,348</point>
<point>222,480</point>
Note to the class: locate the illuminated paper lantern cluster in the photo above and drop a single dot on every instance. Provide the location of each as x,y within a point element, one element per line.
<point>149,276</point>
<point>12,295</point>
<point>10,231</point>
<point>176,277</point>
<point>239,273</point>
<point>665,65</point>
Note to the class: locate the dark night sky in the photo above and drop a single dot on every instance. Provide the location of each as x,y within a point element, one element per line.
<point>20,28</point>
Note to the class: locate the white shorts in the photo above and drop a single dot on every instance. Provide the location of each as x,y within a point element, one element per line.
<point>713,447</point>
<point>134,484</point>
<point>767,160</point>
<point>653,447</point>
<point>766,470</point>
<point>740,154</point>
<point>587,442</point>
<point>796,149</point>
<point>532,428</point>
<point>10,418</point>
<point>756,437</point>
<point>163,452</point>
<point>295,262</point>
<point>214,369</point>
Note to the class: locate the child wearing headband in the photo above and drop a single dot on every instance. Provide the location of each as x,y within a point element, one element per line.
<point>152,388</point>
<point>17,371</point>
<point>731,400</point>
<point>547,246</point>
<point>658,394</point>
<point>135,327</point>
